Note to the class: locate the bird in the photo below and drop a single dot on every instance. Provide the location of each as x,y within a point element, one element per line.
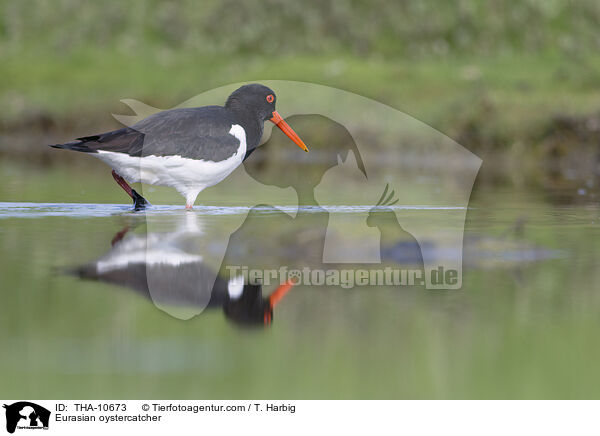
<point>161,268</point>
<point>188,149</point>
<point>186,286</point>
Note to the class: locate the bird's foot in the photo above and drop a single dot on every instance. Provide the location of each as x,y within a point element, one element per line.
<point>189,206</point>
<point>139,202</point>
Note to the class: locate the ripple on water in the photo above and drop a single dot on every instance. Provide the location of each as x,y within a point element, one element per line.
<point>84,210</point>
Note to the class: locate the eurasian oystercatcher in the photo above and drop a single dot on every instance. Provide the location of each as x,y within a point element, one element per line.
<point>188,149</point>
<point>154,266</point>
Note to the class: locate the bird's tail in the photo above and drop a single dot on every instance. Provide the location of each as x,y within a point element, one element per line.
<point>81,271</point>
<point>80,144</point>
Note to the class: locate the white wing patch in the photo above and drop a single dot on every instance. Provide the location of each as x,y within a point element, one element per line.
<point>235,287</point>
<point>149,258</point>
<point>239,133</point>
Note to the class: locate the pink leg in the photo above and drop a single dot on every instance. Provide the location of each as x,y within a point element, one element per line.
<point>190,198</point>
<point>122,183</point>
<point>119,236</point>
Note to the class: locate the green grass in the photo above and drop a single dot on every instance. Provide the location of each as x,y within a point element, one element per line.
<point>508,98</point>
<point>489,75</point>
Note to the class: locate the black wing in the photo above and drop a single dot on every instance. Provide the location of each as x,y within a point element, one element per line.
<point>195,133</point>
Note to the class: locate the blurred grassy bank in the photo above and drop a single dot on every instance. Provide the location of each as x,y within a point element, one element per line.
<point>504,76</point>
<point>498,101</point>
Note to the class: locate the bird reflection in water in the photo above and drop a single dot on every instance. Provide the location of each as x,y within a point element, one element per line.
<point>164,268</point>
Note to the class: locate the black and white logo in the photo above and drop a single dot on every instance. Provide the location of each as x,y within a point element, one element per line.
<point>26,415</point>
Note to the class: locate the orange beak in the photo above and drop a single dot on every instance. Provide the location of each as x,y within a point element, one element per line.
<point>280,292</point>
<point>285,128</point>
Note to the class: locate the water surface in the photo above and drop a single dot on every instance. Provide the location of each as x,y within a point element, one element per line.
<point>524,325</point>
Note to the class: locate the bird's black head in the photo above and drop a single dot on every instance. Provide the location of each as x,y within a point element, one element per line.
<point>254,98</point>
<point>251,308</point>
<point>257,102</point>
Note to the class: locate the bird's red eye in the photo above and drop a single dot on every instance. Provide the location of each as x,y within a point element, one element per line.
<point>270,98</point>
